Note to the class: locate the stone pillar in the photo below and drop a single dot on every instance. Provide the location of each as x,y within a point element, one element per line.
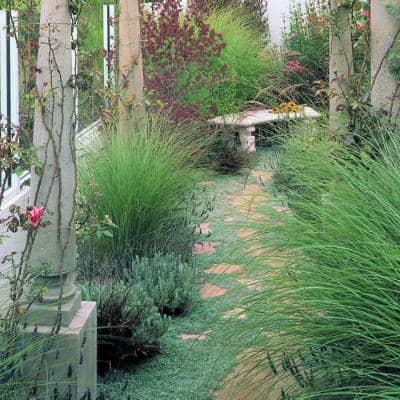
<point>385,92</point>
<point>57,313</point>
<point>340,66</point>
<point>130,62</point>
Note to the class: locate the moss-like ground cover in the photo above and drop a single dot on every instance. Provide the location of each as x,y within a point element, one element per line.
<point>197,368</point>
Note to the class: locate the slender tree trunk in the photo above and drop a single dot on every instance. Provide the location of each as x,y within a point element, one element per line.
<point>385,92</point>
<point>130,63</point>
<point>341,68</point>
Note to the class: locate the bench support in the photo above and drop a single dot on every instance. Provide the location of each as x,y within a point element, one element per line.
<point>247,139</point>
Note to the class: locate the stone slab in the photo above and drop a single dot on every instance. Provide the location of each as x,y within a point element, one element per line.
<point>64,363</point>
<point>261,117</point>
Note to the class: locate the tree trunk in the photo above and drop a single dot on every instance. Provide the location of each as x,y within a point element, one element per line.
<point>385,91</point>
<point>341,68</point>
<point>130,63</point>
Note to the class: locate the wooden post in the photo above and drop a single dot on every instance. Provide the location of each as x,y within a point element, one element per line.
<point>340,68</point>
<point>385,92</point>
<point>130,63</point>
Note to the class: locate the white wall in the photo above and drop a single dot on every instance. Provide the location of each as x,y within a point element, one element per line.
<point>276,10</point>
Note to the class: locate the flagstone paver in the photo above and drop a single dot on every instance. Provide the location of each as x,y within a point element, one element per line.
<point>237,312</point>
<point>246,233</point>
<point>263,176</point>
<point>209,291</point>
<point>252,284</point>
<point>207,183</point>
<point>203,229</point>
<point>193,336</point>
<point>205,247</point>
<point>220,269</point>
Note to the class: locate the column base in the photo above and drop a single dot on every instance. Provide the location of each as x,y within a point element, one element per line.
<point>64,365</point>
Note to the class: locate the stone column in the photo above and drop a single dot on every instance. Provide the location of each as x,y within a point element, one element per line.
<point>340,67</point>
<point>385,93</point>
<point>130,62</point>
<point>67,361</point>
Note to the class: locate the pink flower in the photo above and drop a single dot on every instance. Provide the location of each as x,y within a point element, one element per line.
<point>294,66</point>
<point>365,13</point>
<point>360,25</point>
<point>293,35</point>
<point>35,215</point>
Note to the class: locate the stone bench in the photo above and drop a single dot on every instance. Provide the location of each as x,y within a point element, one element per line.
<point>245,123</point>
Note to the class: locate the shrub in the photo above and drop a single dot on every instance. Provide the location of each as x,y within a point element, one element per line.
<point>129,325</point>
<point>169,282</point>
<point>306,45</point>
<point>332,313</point>
<point>145,183</point>
<point>178,53</point>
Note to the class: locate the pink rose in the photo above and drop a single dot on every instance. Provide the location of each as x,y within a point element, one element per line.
<point>35,215</point>
<point>360,25</point>
<point>365,13</point>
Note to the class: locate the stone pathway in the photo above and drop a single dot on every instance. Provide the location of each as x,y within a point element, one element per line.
<point>243,383</point>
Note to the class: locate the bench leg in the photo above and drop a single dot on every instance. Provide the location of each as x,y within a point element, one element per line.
<point>247,140</point>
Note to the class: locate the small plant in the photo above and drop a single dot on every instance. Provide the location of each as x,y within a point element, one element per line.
<point>170,282</point>
<point>227,155</point>
<point>129,325</point>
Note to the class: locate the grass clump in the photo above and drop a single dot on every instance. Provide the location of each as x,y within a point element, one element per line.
<point>246,63</point>
<point>145,183</point>
<point>332,313</point>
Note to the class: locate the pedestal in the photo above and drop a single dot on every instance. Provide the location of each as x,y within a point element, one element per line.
<point>63,366</point>
<point>247,140</point>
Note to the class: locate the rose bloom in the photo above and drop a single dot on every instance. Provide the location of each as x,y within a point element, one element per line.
<point>35,215</point>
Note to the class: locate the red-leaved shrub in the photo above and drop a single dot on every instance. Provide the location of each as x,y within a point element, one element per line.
<point>178,52</point>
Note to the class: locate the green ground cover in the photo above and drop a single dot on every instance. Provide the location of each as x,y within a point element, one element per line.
<point>195,369</point>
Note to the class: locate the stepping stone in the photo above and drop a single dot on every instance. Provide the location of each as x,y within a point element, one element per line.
<point>221,269</point>
<point>252,284</point>
<point>203,229</point>
<point>207,183</point>
<point>253,189</point>
<point>230,219</point>
<point>257,250</point>
<point>209,291</point>
<point>253,378</point>
<point>247,201</point>
<point>263,176</point>
<point>186,336</point>
<point>245,233</point>
<point>205,248</point>
<point>237,312</point>
<point>282,209</point>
